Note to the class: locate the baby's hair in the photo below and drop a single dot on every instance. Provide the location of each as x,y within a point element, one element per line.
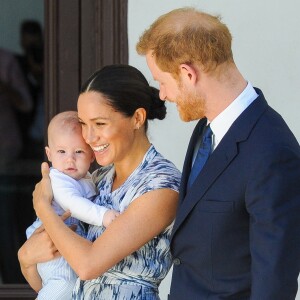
<point>64,121</point>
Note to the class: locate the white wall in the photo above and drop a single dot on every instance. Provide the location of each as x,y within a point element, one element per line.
<point>266,42</point>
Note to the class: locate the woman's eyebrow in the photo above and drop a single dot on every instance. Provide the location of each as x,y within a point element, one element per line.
<point>96,118</point>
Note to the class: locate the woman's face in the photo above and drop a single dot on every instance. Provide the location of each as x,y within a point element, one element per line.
<point>108,132</point>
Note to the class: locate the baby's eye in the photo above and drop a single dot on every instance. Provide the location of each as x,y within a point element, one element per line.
<point>61,151</point>
<point>79,151</point>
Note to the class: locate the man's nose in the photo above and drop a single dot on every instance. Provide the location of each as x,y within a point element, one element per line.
<point>162,94</point>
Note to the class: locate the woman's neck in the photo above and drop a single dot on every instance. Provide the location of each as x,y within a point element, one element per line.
<point>125,168</point>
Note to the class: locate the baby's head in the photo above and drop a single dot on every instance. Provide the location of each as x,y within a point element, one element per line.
<point>67,150</point>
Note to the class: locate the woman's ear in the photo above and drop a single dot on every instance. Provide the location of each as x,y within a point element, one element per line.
<point>48,153</point>
<point>188,74</point>
<point>139,118</point>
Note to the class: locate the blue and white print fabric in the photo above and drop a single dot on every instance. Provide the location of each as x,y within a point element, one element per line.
<point>137,276</point>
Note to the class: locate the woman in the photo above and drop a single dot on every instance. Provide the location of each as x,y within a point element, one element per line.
<point>129,259</point>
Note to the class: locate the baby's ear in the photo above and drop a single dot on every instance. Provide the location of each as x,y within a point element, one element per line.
<point>48,153</point>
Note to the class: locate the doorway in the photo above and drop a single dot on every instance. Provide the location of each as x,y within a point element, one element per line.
<point>79,37</point>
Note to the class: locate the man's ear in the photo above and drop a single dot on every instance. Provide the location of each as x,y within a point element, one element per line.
<point>48,153</point>
<point>188,74</point>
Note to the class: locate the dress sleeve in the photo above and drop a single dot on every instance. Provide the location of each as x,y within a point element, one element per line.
<point>163,175</point>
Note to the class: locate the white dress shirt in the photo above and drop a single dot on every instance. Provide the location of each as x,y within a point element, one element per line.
<point>221,124</point>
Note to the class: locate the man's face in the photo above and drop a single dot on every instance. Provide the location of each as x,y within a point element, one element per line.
<point>168,86</point>
<point>190,104</point>
<point>29,41</point>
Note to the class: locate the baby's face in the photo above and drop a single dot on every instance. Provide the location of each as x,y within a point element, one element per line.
<point>69,154</point>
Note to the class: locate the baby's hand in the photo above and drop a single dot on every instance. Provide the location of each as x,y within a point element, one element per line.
<point>109,216</point>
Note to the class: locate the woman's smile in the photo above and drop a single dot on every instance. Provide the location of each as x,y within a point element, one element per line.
<point>110,133</point>
<point>100,148</point>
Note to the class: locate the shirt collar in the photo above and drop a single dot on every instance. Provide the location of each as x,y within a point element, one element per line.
<point>221,124</point>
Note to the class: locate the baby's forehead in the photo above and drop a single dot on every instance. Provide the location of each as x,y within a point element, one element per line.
<point>67,125</point>
<point>67,118</point>
<point>60,130</point>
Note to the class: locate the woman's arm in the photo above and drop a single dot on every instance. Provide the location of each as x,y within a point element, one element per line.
<point>144,219</point>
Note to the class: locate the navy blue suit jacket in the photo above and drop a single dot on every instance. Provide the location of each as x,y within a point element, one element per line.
<point>237,229</point>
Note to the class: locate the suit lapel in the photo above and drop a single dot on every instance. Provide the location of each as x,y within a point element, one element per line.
<point>216,164</point>
<point>189,157</point>
<point>222,156</point>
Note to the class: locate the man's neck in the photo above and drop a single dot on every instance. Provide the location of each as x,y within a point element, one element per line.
<point>222,91</point>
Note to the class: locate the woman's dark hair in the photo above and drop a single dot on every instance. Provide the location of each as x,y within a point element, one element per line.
<point>126,89</point>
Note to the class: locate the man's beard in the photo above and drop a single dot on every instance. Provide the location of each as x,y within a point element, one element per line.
<point>191,106</point>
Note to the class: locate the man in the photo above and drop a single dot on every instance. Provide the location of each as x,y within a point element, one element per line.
<point>31,63</point>
<point>14,97</point>
<point>237,229</point>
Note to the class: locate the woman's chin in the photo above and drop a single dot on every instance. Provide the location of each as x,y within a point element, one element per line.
<point>101,160</point>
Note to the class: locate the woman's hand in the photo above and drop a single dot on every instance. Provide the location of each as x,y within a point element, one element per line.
<point>42,194</point>
<point>38,248</point>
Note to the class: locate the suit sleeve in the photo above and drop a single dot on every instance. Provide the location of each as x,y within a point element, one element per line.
<point>67,195</point>
<point>273,202</point>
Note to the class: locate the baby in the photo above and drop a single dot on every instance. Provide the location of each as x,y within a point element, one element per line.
<point>73,190</point>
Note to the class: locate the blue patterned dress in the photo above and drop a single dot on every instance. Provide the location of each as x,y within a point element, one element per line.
<point>137,276</point>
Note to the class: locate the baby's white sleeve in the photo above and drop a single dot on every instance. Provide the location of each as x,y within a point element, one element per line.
<point>68,194</point>
<point>33,227</point>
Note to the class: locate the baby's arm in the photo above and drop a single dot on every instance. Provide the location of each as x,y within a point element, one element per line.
<point>109,216</point>
<point>81,208</point>
<point>67,193</point>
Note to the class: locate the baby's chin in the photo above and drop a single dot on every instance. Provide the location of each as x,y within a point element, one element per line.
<point>73,173</point>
